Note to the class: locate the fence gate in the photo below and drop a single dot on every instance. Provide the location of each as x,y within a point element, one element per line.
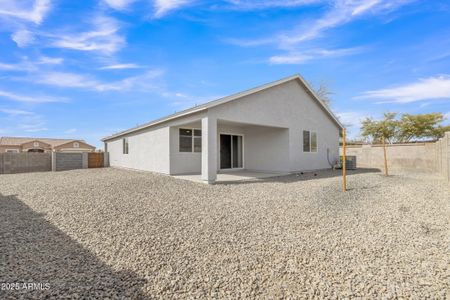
<point>95,160</point>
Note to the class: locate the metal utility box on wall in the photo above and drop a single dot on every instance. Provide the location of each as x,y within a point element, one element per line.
<point>350,162</point>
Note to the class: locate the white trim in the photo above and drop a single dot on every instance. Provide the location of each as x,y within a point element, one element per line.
<point>192,138</point>
<point>243,151</point>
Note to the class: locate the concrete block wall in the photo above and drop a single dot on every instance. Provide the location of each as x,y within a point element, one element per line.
<point>419,157</point>
<point>11,163</point>
<point>68,161</point>
<point>413,157</point>
<point>445,156</point>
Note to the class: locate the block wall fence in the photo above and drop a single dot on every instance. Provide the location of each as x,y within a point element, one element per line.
<point>11,163</point>
<point>433,157</point>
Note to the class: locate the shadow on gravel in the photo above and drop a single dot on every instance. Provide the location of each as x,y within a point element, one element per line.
<point>32,250</point>
<point>305,176</point>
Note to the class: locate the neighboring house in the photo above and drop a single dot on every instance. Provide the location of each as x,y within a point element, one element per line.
<point>25,144</point>
<point>278,127</point>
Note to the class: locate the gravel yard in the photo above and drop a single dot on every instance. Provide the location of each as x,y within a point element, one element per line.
<point>118,233</point>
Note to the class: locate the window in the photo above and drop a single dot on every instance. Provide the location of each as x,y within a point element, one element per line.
<point>313,142</point>
<point>76,145</point>
<point>197,140</point>
<point>309,141</point>
<point>36,144</point>
<point>190,140</point>
<point>306,141</point>
<point>125,145</point>
<point>185,140</point>
<point>12,150</point>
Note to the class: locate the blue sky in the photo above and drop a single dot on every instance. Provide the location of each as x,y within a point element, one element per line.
<point>86,69</point>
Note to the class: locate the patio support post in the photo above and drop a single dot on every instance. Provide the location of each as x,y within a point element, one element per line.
<point>209,149</point>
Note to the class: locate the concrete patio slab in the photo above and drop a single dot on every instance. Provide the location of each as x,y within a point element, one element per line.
<point>232,176</point>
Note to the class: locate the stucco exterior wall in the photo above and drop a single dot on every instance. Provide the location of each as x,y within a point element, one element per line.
<point>4,148</point>
<point>287,106</point>
<point>191,162</point>
<point>148,150</point>
<point>183,162</point>
<point>39,145</point>
<point>267,149</point>
<point>272,123</point>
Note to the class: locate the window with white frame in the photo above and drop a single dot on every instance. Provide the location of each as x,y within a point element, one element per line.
<point>309,141</point>
<point>76,145</point>
<point>125,145</point>
<point>36,144</point>
<point>190,140</point>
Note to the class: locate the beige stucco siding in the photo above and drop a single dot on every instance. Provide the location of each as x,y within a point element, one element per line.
<point>70,147</point>
<point>39,145</point>
<point>4,148</point>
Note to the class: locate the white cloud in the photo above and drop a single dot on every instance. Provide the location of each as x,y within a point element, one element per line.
<point>24,120</point>
<point>120,67</point>
<point>143,82</point>
<point>30,66</point>
<point>22,38</point>
<point>71,130</point>
<point>291,58</point>
<point>15,112</point>
<point>163,7</point>
<point>21,9</point>
<point>33,124</point>
<point>29,99</point>
<point>8,67</point>
<point>340,13</point>
<point>264,4</point>
<point>104,37</point>
<point>72,80</point>
<point>45,60</point>
<point>300,58</point>
<point>65,79</point>
<point>424,89</point>
<point>352,121</point>
<point>119,4</point>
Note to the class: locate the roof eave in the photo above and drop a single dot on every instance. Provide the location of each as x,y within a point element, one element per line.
<point>229,99</point>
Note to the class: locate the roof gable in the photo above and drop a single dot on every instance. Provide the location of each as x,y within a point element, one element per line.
<point>81,143</point>
<point>31,142</point>
<point>234,97</point>
<point>17,141</point>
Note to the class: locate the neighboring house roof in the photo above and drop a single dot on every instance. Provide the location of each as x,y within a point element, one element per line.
<point>17,141</point>
<point>233,97</point>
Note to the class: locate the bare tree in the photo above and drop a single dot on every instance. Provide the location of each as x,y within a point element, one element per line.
<point>324,93</point>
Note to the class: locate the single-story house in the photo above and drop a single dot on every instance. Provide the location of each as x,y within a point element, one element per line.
<point>278,127</point>
<point>31,144</point>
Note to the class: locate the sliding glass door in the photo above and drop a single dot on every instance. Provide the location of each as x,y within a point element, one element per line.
<point>231,151</point>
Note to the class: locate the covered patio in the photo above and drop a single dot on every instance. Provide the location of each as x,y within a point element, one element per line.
<point>230,150</point>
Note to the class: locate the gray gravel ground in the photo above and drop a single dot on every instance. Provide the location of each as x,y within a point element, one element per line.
<point>125,234</point>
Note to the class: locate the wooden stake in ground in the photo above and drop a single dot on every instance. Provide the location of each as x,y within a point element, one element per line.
<point>385,157</point>
<point>344,159</point>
